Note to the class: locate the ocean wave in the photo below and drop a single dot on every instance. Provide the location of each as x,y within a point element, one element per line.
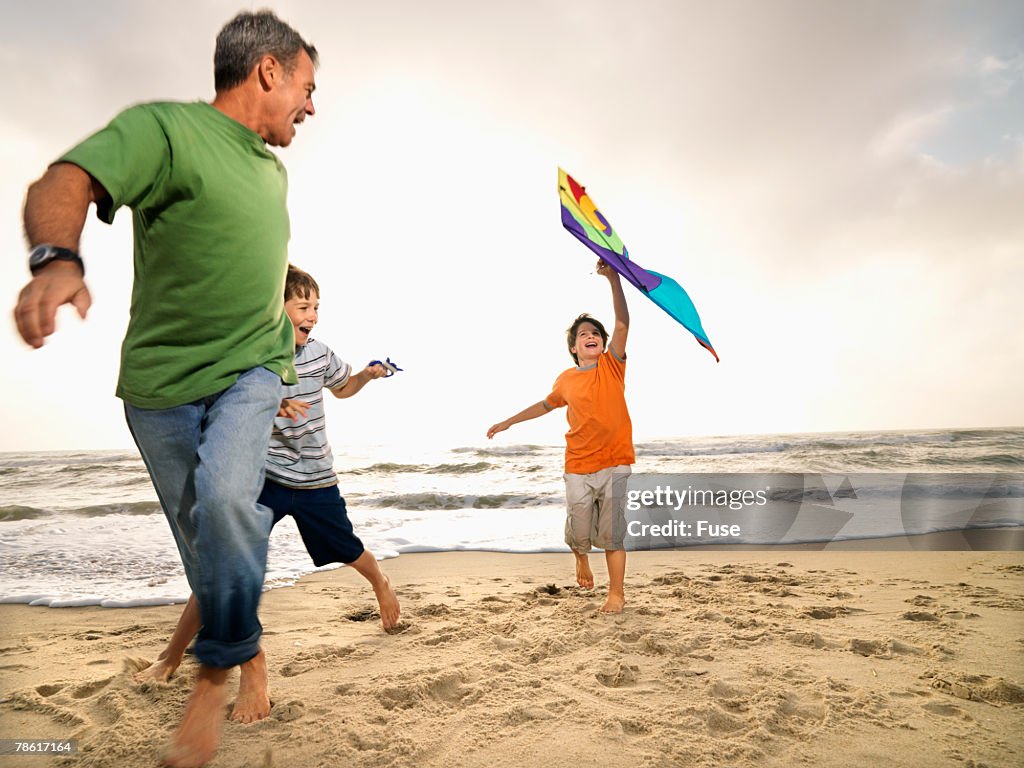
<point>960,435</point>
<point>92,470</point>
<point>17,512</point>
<point>385,468</point>
<point>43,460</point>
<point>956,486</point>
<point>51,601</point>
<point>768,444</point>
<point>459,469</point>
<point>507,450</point>
<point>1000,460</point>
<point>115,508</point>
<point>673,449</point>
<point>446,501</point>
<point>890,451</point>
<point>390,468</point>
<point>966,460</point>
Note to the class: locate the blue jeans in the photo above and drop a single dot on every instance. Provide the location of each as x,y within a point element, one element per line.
<point>206,461</point>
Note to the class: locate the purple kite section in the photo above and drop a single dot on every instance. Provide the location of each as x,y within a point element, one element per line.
<point>640,278</point>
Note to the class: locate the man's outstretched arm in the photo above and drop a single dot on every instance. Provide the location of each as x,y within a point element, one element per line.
<point>55,211</point>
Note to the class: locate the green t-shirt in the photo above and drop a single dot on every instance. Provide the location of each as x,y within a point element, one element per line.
<point>211,249</point>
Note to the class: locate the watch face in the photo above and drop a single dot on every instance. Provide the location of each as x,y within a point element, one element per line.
<point>38,256</point>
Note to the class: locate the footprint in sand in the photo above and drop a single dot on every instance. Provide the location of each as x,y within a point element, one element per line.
<point>722,723</point>
<point>363,614</point>
<point>883,649</point>
<point>434,609</point>
<point>399,629</point>
<point>960,615</point>
<point>991,690</point>
<point>828,612</point>
<point>314,658</point>
<point>86,690</point>
<point>35,700</point>
<point>288,711</point>
<point>448,689</point>
<point>618,675</point>
<point>945,710</point>
<point>803,707</point>
<point>441,638</point>
<point>807,639</point>
<point>670,578</point>
<point>919,616</point>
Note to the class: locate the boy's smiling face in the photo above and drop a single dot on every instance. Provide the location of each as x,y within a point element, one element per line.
<point>589,344</point>
<point>302,311</point>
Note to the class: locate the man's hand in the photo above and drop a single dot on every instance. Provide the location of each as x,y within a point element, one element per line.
<point>58,283</point>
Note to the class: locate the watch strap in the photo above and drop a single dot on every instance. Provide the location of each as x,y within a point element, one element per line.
<point>45,253</point>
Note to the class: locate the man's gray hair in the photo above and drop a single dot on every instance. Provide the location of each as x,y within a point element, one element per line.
<point>249,37</point>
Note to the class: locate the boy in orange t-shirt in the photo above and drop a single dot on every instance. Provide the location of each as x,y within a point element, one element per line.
<point>598,445</point>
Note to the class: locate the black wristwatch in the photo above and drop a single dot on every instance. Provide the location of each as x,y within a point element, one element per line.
<point>43,254</point>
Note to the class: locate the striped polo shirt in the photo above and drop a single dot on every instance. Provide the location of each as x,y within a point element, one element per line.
<point>299,454</point>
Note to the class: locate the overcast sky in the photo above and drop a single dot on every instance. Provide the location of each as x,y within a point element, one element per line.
<point>838,185</point>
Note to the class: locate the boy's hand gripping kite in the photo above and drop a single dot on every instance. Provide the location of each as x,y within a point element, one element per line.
<point>387,365</point>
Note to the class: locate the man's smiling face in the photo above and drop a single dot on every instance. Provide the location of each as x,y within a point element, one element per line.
<point>291,102</point>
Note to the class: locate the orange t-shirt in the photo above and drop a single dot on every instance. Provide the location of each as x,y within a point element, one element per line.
<point>600,433</point>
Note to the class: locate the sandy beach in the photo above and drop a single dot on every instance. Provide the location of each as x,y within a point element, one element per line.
<point>843,656</point>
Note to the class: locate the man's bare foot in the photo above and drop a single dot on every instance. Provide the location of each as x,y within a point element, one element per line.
<point>253,702</point>
<point>159,671</point>
<point>390,610</point>
<point>614,604</point>
<point>196,740</point>
<point>584,576</point>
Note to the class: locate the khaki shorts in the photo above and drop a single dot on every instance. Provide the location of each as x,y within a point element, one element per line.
<point>596,509</point>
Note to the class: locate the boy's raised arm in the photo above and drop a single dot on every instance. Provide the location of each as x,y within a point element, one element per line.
<point>357,381</point>
<point>535,410</point>
<point>621,331</point>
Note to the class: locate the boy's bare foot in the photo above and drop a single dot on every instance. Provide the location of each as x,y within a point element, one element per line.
<point>159,671</point>
<point>584,576</point>
<point>196,740</point>
<point>390,610</point>
<point>614,604</point>
<point>367,567</point>
<point>253,702</point>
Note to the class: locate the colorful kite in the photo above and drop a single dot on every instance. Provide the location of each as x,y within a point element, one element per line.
<point>581,217</point>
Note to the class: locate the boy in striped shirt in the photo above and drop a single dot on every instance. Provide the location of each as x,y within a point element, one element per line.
<point>300,481</point>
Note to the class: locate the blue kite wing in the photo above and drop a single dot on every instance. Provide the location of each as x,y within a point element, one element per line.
<point>673,298</point>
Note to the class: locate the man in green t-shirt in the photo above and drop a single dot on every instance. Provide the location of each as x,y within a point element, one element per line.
<point>208,342</point>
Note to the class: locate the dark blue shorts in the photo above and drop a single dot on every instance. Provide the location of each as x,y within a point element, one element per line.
<point>321,518</point>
